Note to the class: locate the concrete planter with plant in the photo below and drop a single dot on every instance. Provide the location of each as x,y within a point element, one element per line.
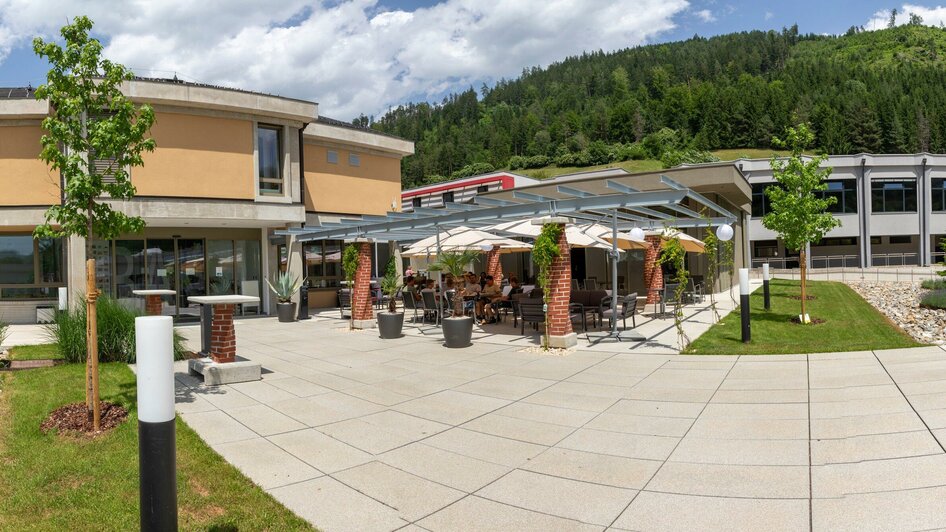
<point>457,329</point>
<point>391,322</point>
<point>284,285</point>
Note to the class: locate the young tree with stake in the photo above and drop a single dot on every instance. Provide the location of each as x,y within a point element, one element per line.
<point>799,212</point>
<point>94,135</point>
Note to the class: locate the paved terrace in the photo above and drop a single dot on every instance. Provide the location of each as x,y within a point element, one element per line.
<point>355,433</point>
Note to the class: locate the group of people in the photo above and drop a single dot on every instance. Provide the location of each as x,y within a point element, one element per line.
<point>481,295</point>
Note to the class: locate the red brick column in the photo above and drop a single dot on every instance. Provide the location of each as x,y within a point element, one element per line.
<point>493,266</point>
<point>153,305</point>
<point>653,274</point>
<point>559,290</point>
<point>361,300</point>
<point>222,334</point>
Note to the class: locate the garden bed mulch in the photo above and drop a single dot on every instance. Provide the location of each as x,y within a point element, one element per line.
<point>73,419</point>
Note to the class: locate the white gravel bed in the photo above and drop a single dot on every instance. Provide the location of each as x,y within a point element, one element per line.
<point>900,302</point>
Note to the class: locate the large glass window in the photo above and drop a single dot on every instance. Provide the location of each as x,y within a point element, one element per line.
<point>845,192</point>
<point>760,202</point>
<point>269,150</point>
<point>129,267</point>
<point>938,193</point>
<point>248,267</point>
<point>893,196</point>
<point>323,263</point>
<point>30,268</point>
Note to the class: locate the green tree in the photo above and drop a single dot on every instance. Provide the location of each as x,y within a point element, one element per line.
<point>350,260</point>
<point>799,211</point>
<point>94,135</point>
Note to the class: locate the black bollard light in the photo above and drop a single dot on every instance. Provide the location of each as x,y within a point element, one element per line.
<point>206,319</point>
<point>744,303</point>
<point>765,286</point>
<point>304,301</point>
<point>157,457</point>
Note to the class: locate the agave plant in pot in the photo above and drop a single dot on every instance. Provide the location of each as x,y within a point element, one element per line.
<point>391,323</point>
<point>284,285</point>
<point>457,329</point>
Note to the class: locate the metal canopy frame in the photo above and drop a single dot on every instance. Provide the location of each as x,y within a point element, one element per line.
<point>626,208</point>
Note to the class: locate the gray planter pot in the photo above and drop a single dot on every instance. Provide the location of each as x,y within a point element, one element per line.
<point>286,312</point>
<point>390,324</point>
<point>457,332</point>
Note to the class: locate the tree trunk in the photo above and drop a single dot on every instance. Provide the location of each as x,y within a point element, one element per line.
<point>803,267</point>
<point>92,348</point>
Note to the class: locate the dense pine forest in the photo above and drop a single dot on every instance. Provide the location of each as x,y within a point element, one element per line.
<point>872,91</point>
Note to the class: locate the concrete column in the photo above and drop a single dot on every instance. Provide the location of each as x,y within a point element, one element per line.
<point>270,264</point>
<point>863,215</point>
<point>296,264</point>
<point>75,268</point>
<point>493,265</point>
<point>559,291</point>
<point>222,334</point>
<point>361,298</point>
<point>924,208</point>
<point>653,274</point>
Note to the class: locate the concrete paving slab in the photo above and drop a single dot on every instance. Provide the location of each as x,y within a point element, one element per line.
<point>620,444</point>
<point>382,431</point>
<point>727,480</point>
<point>263,420</point>
<point>450,406</point>
<point>333,506</point>
<point>666,511</point>
<point>874,447</point>
<point>617,471</point>
<point>216,427</point>
<point>488,448</point>
<point>444,467</point>
<point>320,450</point>
<point>412,496</point>
<point>266,464</point>
<point>490,516</point>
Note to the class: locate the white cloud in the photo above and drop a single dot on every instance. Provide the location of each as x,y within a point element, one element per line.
<point>351,56</point>
<point>705,15</point>
<point>932,16</point>
<point>769,15</point>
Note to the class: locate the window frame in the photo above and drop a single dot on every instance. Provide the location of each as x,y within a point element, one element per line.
<point>447,197</point>
<point>886,191</point>
<point>38,282</point>
<point>280,166</point>
<point>329,155</point>
<point>354,159</point>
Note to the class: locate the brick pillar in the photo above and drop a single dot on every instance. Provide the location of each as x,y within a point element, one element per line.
<point>153,305</point>
<point>361,300</point>
<point>559,291</point>
<point>653,274</point>
<point>222,334</point>
<point>493,266</point>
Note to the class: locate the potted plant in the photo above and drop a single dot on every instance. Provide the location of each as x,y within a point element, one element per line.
<point>457,329</point>
<point>284,285</point>
<point>391,322</point>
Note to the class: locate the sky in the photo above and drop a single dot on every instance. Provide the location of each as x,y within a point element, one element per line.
<point>366,56</point>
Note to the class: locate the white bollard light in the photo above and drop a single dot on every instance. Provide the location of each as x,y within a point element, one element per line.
<point>765,271</point>
<point>744,303</point>
<point>765,286</point>
<point>154,353</point>
<point>63,298</point>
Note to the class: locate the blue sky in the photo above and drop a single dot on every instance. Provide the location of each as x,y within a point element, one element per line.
<point>356,56</point>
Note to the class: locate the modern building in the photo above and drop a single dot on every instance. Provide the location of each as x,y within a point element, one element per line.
<point>461,190</point>
<point>230,168</point>
<point>892,210</point>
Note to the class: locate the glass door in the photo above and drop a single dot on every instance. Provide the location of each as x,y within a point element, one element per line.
<point>191,275</point>
<point>160,270</point>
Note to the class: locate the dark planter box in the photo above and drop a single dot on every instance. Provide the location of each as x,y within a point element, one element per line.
<point>458,332</point>
<point>390,324</point>
<point>286,312</point>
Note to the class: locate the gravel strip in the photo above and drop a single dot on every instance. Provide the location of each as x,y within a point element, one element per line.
<point>900,302</point>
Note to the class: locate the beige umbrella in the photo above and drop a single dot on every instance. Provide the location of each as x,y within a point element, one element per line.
<point>689,243</point>
<point>575,236</point>
<point>462,239</point>
<point>625,240</point>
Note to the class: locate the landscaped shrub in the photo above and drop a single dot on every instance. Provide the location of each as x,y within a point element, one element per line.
<point>673,158</point>
<point>517,162</point>
<point>472,169</point>
<point>116,332</point>
<point>630,152</point>
<point>934,284</point>
<point>934,299</point>
<point>4,331</point>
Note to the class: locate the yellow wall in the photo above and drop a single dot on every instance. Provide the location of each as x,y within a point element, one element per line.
<point>339,188</point>
<point>198,157</point>
<point>24,179</point>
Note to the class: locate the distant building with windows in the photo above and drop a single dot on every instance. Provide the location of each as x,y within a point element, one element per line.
<point>461,190</point>
<point>892,210</point>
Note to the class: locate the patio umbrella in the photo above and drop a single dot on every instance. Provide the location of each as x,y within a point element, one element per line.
<point>625,240</point>
<point>577,238</point>
<point>689,243</point>
<point>462,239</point>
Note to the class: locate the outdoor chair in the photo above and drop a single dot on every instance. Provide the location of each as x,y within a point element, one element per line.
<point>530,311</point>
<point>448,302</point>
<point>669,295</point>
<point>344,302</point>
<point>591,284</point>
<point>627,309</point>
<point>576,311</point>
<point>695,292</point>
<point>431,308</point>
<point>411,304</point>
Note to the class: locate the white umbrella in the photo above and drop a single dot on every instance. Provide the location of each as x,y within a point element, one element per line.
<point>625,240</point>
<point>462,239</point>
<point>575,236</point>
<point>689,243</point>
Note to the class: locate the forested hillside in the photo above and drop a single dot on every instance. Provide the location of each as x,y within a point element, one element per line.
<point>878,91</point>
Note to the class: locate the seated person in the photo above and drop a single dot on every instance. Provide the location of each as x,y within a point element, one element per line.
<point>489,296</point>
<point>470,292</point>
<point>410,287</point>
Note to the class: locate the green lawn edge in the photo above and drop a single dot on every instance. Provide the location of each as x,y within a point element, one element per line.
<point>35,352</point>
<point>851,324</point>
<point>52,482</point>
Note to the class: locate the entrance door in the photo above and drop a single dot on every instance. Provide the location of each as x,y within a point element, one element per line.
<point>191,275</point>
<point>161,270</point>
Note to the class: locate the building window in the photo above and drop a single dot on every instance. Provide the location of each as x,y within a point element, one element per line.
<point>901,239</point>
<point>760,202</point>
<point>415,201</point>
<point>875,240</point>
<point>482,188</point>
<point>938,193</point>
<point>845,192</point>
<point>448,197</point>
<point>269,150</point>
<point>323,259</point>
<point>30,268</point>
<point>354,159</point>
<point>766,248</point>
<point>893,196</point>
<point>840,241</point>
<point>332,157</point>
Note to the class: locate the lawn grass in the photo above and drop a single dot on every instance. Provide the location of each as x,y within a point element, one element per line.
<point>35,352</point>
<point>851,324</point>
<point>52,482</point>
